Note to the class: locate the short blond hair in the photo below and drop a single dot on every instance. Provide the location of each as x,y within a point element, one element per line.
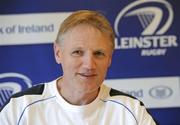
<point>92,18</point>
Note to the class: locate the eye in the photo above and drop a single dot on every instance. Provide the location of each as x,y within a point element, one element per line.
<point>99,54</point>
<point>77,53</point>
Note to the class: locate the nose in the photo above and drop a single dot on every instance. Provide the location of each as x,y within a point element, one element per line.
<point>89,61</point>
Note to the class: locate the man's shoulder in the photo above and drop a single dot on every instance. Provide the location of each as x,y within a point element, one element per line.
<point>115,92</point>
<point>35,90</point>
<point>130,104</point>
<point>38,89</point>
<point>17,97</point>
<point>120,96</point>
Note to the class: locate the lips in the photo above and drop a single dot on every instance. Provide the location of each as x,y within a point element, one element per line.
<point>88,75</point>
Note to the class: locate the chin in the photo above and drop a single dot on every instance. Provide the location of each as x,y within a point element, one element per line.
<point>93,87</point>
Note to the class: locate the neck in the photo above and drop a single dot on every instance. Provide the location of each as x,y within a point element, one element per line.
<point>75,97</point>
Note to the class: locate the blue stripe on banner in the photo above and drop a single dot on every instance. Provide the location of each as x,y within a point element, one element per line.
<point>34,6</point>
<point>140,52</point>
<point>166,116</point>
<point>35,61</point>
<point>129,64</point>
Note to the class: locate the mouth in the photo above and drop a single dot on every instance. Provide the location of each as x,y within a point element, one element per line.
<point>87,75</point>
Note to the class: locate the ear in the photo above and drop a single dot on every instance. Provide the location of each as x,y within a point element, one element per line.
<point>57,52</point>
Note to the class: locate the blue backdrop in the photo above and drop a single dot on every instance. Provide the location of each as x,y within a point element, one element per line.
<point>142,51</point>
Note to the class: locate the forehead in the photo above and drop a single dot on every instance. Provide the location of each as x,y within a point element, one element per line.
<point>84,30</point>
<point>86,35</point>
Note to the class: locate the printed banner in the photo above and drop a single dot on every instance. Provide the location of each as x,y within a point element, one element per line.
<point>146,60</point>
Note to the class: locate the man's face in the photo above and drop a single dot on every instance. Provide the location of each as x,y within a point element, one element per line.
<point>85,55</point>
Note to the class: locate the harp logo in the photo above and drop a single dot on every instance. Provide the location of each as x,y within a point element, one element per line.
<point>155,18</point>
<point>11,83</point>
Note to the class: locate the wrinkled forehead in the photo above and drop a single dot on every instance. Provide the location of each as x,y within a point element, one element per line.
<point>84,27</point>
<point>85,30</point>
<point>81,31</point>
<point>86,36</point>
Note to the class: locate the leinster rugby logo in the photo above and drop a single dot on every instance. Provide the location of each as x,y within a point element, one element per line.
<point>11,83</point>
<point>149,21</point>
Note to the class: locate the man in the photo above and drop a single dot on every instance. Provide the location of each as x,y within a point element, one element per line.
<point>84,48</point>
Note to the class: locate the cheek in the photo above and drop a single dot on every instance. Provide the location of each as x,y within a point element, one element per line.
<point>70,65</point>
<point>106,63</point>
<point>103,67</point>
